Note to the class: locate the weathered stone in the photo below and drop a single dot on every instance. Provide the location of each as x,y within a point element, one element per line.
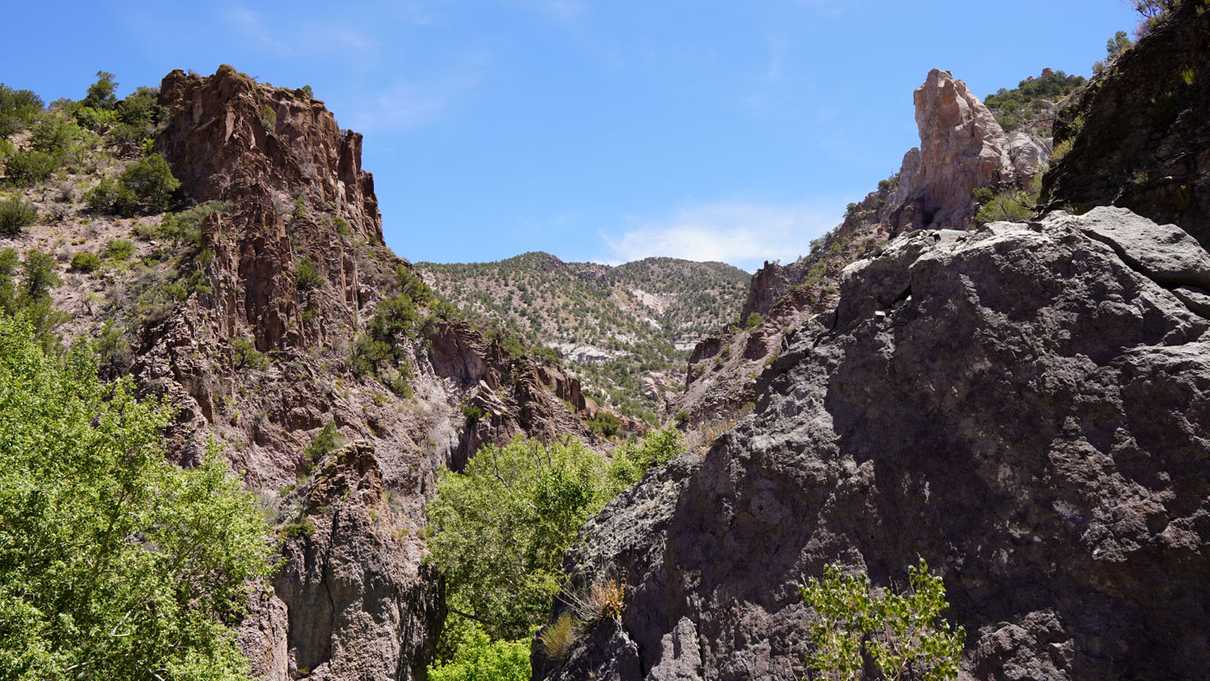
<point>1140,131</point>
<point>962,147</point>
<point>1018,405</point>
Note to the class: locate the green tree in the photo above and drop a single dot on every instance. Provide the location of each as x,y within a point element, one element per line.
<point>18,109</point>
<point>499,529</point>
<point>102,94</point>
<point>1118,44</point>
<point>478,658</point>
<point>113,562</point>
<point>902,633</point>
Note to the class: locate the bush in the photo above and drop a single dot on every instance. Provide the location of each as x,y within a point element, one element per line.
<point>500,529</point>
<point>85,261</point>
<point>16,214</point>
<point>605,424</point>
<point>754,320</point>
<point>559,636</point>
<point>631,461</point>
<point>326,441</point>
<point>146,186</point>
<point>114,560</point>
<point>119,250</point>
<point>478,658</point>
<point>151,182</point>
<point>307,276</point>
<point>18,109</point>
<point>185,227</point>
<point>246,356</point>
<point>28,167</point>
<point>904,634</point>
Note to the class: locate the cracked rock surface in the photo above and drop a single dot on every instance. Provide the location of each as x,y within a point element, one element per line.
<point>1027,407</point>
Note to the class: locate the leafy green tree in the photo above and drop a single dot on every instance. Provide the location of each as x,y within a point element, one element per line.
<point>18,109</point>
<point>902,633</point>
<point>478,658</point>
<point>1118,44</point>
<point>500,528</point>
<point>102,94</point>
<point>151,182</point>
<point>113,562</point>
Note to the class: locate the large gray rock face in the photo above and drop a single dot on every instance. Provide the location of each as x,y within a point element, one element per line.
<point>1023,406</point>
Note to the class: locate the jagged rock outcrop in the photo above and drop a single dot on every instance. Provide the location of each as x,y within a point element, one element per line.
<point>962,147</point>
<point>260,360</point>
<point>1026,406</point>
<point>1139,132</point>
<point>294,182</point>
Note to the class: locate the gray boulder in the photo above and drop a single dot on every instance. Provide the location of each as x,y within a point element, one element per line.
<point>1026,406</point>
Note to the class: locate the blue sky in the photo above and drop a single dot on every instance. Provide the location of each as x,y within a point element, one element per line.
<point>607,130</point>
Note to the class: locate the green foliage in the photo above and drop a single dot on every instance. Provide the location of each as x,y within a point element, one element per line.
<point>185,227</point>
<point>18,109</point>
<point>472,413</point>
<point>479,658</point>
<point>146,186</point>
<point>30,297</point>
<point>268,119</point>
<point>85,261</point>
<point>605,424</point>
<point>1062,149</point>
<point>754,320</point>
<point>113,562</point>
<point>631,461</point>
<point>151,182</point>
<point>498,531</point>
<point>326,441</point>
<point>16,214</point>
<point>559,636</point>
<point>119,250</point>
<point>383,350</point>
<point>102,93</point>
<point>1118,44</point>
<point>1015,108</point>
<point>40,275</point>
<point>55,135</point>
<point>28,167</point>
<point>307,92</point>
<point>307,276</point>
<point>1012,205</point>
<point>903,633</point>
<point>246,356</point>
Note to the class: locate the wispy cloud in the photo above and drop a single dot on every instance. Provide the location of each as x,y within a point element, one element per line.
<point>744,234</point>
<point>410,104</point>
<point>297,40</point>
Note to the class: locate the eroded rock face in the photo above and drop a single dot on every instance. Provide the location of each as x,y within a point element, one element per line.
<point>1023,406</point>
<point>1140,132</point>
<point>962,147</point>
<point>260,362</point>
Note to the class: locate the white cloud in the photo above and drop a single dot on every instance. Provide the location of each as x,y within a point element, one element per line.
<point>744,234</point>
<point>409,104</point>
<point>297,40</point>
